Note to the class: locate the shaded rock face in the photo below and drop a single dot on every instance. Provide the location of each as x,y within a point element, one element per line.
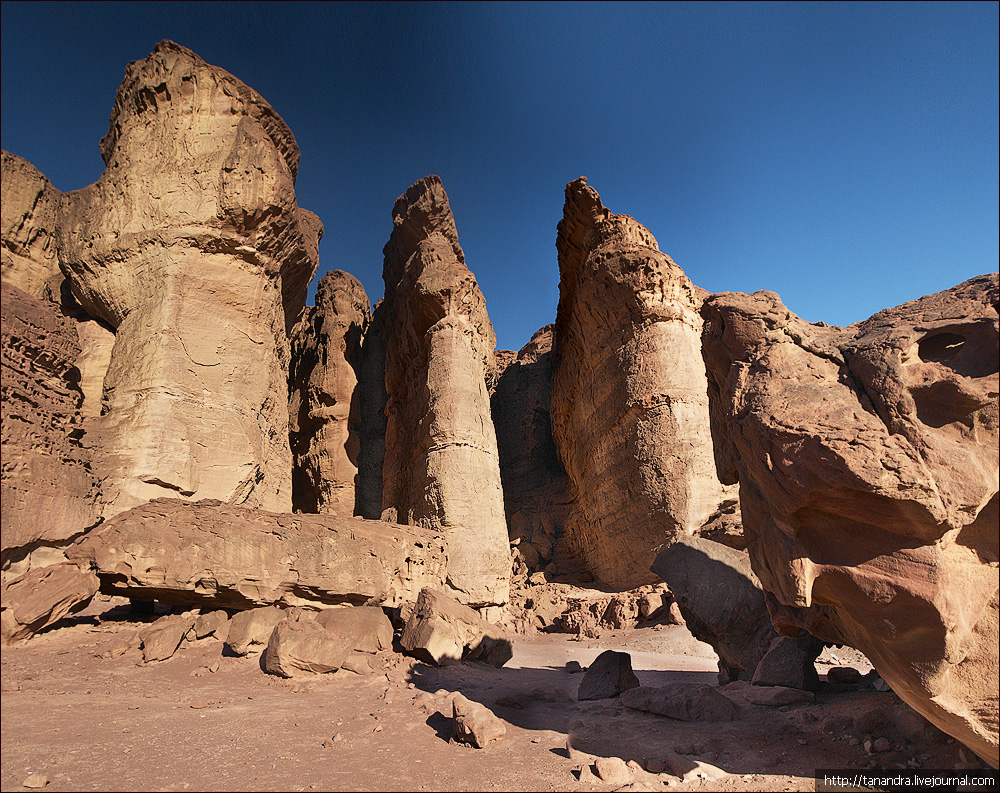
<point>324,411</point>
<point>536,491</point>
<point>29,221</point>
<point>213,554</point>
<point>867,459</point>
<point>629,404</point>
<point>441,466</point>
<point>48,492</point>
<point>192,249</point>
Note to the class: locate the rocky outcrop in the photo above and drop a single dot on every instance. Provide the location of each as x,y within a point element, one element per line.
<point>867,459</point>
<point>213,554</point>
<point>29,223</point>
<point>536,491</point>
<point>441,468</point>
<point>48,493</point>
<point>629,404</point>
<point>192,249</point>
<point>324,411</point>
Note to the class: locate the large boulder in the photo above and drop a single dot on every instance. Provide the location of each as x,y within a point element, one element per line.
<point>682,701</point>
<point>440,630</point>
<point>41,597</point>
<point>723,605</point>
<point>303,646</point>
<point>212,554</point>
<point>867,459</point>
<point>609,676</point>
<point>441,467</point>
<point>629,403</point>
<point>48,492</point>
<point>191,248</point>
<point>324,411</point>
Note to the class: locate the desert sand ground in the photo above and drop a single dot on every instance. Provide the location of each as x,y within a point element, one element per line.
<point>90,723</point>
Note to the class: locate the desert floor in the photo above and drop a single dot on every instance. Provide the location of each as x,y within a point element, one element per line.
<point>201,721</point>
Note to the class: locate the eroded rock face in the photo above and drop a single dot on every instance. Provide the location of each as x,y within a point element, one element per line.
<point>441,466</point>
<point>324,410</point>
<point>629,404</point>
<point>192,249</point>
<point>213,554</point>
<point>867,459</point>
<point>29,222</point>
<point>48,492</point>
<point>536,491</point>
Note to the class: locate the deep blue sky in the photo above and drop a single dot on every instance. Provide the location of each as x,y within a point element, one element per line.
<point>842,155</point>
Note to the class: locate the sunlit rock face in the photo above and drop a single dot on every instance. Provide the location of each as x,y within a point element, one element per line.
<point>868,466</point>
<point>629,403</point>
<point>324,410</point>
<point>192,249</point>
<point>441,466</point>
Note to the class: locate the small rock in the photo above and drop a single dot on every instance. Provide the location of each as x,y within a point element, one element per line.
<point>35,781</point>
<point>586,775</point>
<point>573,667</point>
<point>882,745</point>
<point>338,738</point>
<point>475,724</point>
<point>691,768</point>
<point>613,770</point>
<point>867,746</point>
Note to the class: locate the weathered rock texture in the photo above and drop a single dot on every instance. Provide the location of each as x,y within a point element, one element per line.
<point>29,222</point>
<point>192,248</point>
<point>441,466</point>
<point>324,410</point>
<point>441,630</point>
<point>867,459</point>
<point>210,553</point>
<point>629,404</point>
<point>48,493</point>
<point>536,491</point>
<point>41,598</point>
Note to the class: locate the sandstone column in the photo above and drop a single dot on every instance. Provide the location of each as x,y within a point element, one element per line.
<point>629,401</point>
<point>192,248</point>
<point>441,465</point>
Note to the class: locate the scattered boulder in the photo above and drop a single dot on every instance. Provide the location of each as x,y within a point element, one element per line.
<point>250,631</point>
<point>441,468</point>
<point>161,639</point>
<point>775,696</point>
<point>303,646</point>
<point>790,662</point>
<point>222,556</point>
<point>843,675</point>
<point>475,724</point>
<point>212,623</point>
<point>682,701</point>
<point>42,597</point>
<point>629,405</point>
<point>613,770</point>
<point>441,630</point>
<point>867,460</point>
<point>369,626</point>
<point>690,769</point>
<point>608,676</point>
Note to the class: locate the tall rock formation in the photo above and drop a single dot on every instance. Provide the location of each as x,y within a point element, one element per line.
<point>629,402</point>
<point>536,491</point>
<point>868,468</point>
<point>48,493</point>
<point>324,411</point>
<point>192,249</point>
<point>441,465</point>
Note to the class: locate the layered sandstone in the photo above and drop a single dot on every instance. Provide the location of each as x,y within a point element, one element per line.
<point>868,466</point>
<point>192,249</point>
<point>29,223</point>
<point>212,554</point>
<point>48,492</point>
<point>536,491</point>
<point>324,410</point>
<point>629,404</point>
<point>441,466</point>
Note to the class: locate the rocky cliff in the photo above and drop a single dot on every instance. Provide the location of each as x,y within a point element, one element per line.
<point>629,403</point>
<point>868,464</point>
